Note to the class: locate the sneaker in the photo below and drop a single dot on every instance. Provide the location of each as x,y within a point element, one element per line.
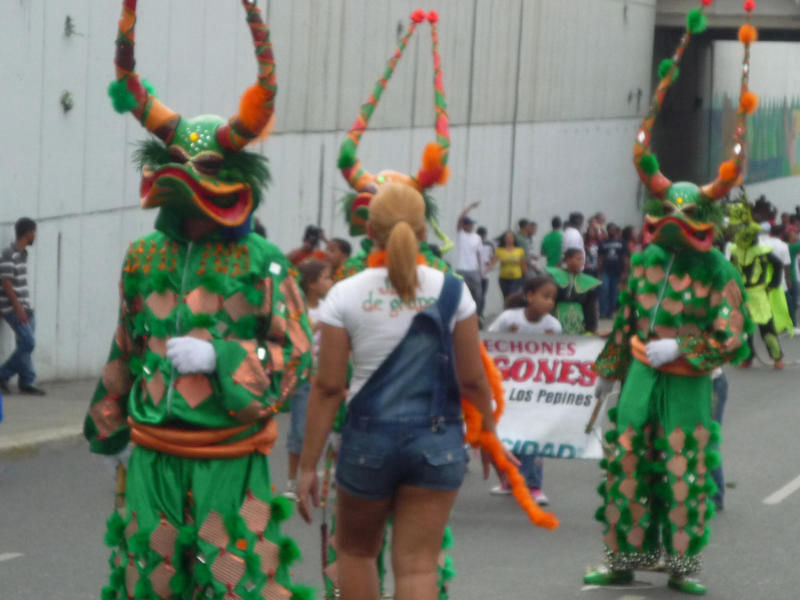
<point>32,390</point>
<point>687,585</point>
<point>291,490</point>
<point>501,490</point>
<point>539,496</point>
<point>4,386</point>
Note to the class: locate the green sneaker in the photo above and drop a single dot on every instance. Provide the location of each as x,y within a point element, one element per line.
<point>605,576</point>
<point>687,585</point>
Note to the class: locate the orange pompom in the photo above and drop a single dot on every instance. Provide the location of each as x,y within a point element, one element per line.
<point>748,103</point>
<point>728,171</point>
<point>432,157</point>
<point>747,34</point>
<point>253,112</point>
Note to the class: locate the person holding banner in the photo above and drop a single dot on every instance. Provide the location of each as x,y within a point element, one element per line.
<point>533,319</point>
<point>682,315</point>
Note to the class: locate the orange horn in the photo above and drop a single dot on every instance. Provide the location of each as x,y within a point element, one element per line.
<point>128,92</point>
<point>257,105</point>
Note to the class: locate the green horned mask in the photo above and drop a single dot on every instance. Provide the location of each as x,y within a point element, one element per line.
<point>682,214</point>
<point>198,165</point>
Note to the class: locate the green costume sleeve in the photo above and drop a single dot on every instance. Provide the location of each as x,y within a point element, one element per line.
<point>726,339</point>
<point>615,358</point>
<point>106,423</point>
<point>250,383</point>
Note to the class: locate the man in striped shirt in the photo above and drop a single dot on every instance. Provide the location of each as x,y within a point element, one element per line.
<point>15,308</point>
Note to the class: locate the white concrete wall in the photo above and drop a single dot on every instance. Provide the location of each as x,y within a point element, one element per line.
<point>544,97</point>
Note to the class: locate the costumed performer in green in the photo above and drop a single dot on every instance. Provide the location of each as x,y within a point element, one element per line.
<point>212,338</point>
<point>682,315</point>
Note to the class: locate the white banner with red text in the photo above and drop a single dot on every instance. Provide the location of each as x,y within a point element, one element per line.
<point>549,390</point>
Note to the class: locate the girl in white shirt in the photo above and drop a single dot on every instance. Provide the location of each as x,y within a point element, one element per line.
<point>413,335</point>
<point>533,319</point>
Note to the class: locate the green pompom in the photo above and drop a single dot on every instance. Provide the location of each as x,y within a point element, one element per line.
<point>253,562</point>
<point>612,414</point>
<point>179,582</point>
<point>664,66</point>
<point>713,459</point>
<point>600,515</point>
<point>347,154</point>
<point>109,593</point>
<point>448,572</point>
<point>187,535</point>
<point>601,489</point>
<point>122,99</point>
<point>151,90</point>
<point>301,592</point>
<point>288,552</point>
<point>143,589</point>
<point>281,508</point>
<point>139,544</point>
<point>604,464</point>
<point>612,436</point>
<point>711,510</point>
<point>447,540</point>
<point>696,21</point>
<point>649,164</point>
<point>115,530</point>
<point>661,444</point>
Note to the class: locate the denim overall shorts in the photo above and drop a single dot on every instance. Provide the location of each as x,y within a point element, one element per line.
<point>404,427</point>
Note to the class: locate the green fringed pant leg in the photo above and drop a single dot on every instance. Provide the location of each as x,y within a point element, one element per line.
<point>199,528</point>
<point>658,488</point>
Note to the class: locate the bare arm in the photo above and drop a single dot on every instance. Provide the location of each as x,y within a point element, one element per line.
<point>463,215</point>
<point>469,369</point>
<point>8,288</point>
<point>327,392</point>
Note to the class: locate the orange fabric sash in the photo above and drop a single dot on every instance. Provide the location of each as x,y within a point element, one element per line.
<point>206,443</point>
<point>679,366</point>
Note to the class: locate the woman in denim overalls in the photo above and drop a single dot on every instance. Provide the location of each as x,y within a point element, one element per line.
<point>413,334</point>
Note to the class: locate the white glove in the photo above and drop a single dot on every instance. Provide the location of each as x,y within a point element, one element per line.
<point>192,355</point>
<point>603,387</point>
<point>661,352</point>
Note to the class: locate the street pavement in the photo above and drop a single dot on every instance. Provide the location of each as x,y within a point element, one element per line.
<point>54,501</point>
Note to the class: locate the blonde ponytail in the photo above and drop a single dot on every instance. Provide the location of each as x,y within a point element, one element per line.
<point>401,260</point>
<point>396,224</point>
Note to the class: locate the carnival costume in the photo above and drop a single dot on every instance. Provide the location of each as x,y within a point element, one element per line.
<point>434,171</point>
<point>576,300</point>
<point>212,338</point>
<point>682,314</point>
<point>762,272</point>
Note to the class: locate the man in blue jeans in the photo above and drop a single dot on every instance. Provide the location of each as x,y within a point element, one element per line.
<point>15,307</point>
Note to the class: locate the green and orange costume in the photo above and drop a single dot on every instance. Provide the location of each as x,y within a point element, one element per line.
<point>434,171</point>
<point>682,295</point>
<point>197,517</point>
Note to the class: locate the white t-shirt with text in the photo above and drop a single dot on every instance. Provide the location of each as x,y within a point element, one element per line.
<point>376,319</point>
<point>514,320</point>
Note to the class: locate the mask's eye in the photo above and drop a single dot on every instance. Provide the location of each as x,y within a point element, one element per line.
<point>669,208</point>
<point>178,155</point>
<point>689,210</point>
<point>208,163</point>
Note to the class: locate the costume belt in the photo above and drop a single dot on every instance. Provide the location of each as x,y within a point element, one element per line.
<point>679,366</point>
<point>206,443</point>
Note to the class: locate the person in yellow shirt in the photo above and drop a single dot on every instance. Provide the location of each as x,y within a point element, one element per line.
<point>513,268</point>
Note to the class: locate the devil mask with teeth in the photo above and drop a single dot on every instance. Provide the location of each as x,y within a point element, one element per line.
<point>198,166</point>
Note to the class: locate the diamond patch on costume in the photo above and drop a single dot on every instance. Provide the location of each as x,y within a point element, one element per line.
<point>202,301</point>
<point>116,377</point>
<point>158,345</point>
<point>162,540</point>
<point>680,491</point>
<point>106,416</point>
<point>680,542</point>
<point>213,530</point>
<point>677,465</point>
<point>332,573</point>
<point>161,304</point>
<point>269,554</point>
<point>677,439</point>
<point>679,515</point>
<point>237,306</point>
<point>195,388</point>
<point>160,579</point>
<point>250,375</point>
<point>275,591</point>
<point>131,575</point>
<point>255,513</point>
<point>228,568</point>
<point>156,387</point>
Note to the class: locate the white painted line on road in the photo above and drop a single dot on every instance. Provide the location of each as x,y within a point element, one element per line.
<point>9,556</point>
<point>783,493</point>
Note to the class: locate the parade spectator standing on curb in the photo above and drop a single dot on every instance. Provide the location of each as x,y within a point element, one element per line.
<point>15,306</point>
<point>487,263</point>
<point>525,239</point>
<point>551,244</point>
<point>468,253</point>
<point>572,234</point>
<point>513,266</point>
<point>612,266</point>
